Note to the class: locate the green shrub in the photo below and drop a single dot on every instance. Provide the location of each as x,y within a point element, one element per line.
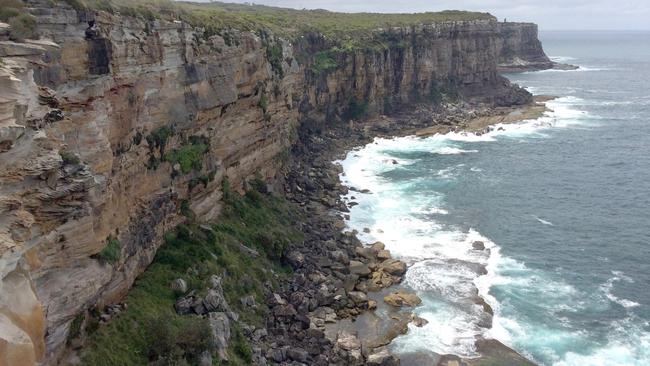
<point>8,13</point>
<point>190,157</point>
<point>356,109</point>
<point>264,102</point>
<point>324,63</point>
<point>75,327</point>
<point>151,332</point>
<point>69,158</point>
<point>241,346</point>
<point>23,26</point>
<point>158,138</point>
<point>274,55</point>
<point>178,342</point>
<point>111,252</point>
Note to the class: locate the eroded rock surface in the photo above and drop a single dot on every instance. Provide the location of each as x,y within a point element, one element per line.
<point>88,120</point>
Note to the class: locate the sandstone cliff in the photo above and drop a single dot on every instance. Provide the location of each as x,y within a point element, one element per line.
<point>519,49</point>
<point>111,124</point>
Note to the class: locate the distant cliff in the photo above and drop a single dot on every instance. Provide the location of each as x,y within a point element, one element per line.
<point>110,124</point>
<point>519,48</point>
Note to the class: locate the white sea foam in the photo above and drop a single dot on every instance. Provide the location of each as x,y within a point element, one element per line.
<point>445,269</point>
<point>453,151</point>
<point>608,287</point>
<point>543,221</point>
<point>561,58</point>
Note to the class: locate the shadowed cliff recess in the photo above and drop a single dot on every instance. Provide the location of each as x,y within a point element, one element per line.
<point>117,117</point>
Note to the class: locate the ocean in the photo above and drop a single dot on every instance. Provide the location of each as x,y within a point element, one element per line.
<point>561,204</point>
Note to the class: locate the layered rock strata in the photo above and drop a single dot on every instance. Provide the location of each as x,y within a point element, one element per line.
<point>111,125</point>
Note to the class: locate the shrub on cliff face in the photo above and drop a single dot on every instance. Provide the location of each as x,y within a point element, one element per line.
<point>323,63</point>
<point>23,24</point>
<point>190,155</point>
<point>69,158</point>
<point>178,342</point>
<point>112,252</point>
<point>151,332</point>
<point>356,109</point>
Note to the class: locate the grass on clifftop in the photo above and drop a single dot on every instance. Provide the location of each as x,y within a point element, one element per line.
<point>150,331</point>
<point>289,23</point>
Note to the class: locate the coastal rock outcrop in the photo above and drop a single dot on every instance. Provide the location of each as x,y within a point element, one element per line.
<point>109,131</point>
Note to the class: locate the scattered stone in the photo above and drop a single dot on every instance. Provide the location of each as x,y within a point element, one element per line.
<point>297,354</point>
<point>365,252</point>
<point>358,297</point>
<point>359,268</point>
<point>378,246</point>
<point>394,267</point>
<point>478,245</point>
<point>348,341</point>
<point>184,305</point>
<point>402,298</point>
<point>179,285</point>
<point>383,255</point>
<point>295,259</point>
<point>418,322</point>
<point>381,357</point>
<point>248,301</point>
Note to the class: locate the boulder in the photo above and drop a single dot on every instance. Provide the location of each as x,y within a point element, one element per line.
<point>220,326</point>
<point>381,357</point>
<point>365,252</point>
<point>215,301</point>
<point>185,305</point>
<point>383,255</point>
<point>478,245</point>
<point>378,246</point>
<point>348,341</point>
<point>340,256</point>
<point>418,322</point>
<point>359,268</point>
<point>295,259</point>
<point>402,298</point>
<point>297,354</point>
<point>394,267</point>
<point>358,297</point>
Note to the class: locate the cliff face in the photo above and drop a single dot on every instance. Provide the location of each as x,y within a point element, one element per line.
<point>107,132</point>
<point>519,49</point>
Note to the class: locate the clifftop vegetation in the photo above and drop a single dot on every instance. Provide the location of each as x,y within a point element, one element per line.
<point>290,23</point>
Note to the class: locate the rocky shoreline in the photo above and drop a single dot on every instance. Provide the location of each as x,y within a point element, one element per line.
<point>348,295</point>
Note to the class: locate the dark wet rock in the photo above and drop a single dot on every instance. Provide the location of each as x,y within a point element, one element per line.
<point>478,245</point>
<point>185,305</point>
<point>340,256</point>
<point>365,252</point>
<point>295,259</point>
<point>297,354</point>
<point>358,297</point>
<point>419,322</point>
<point>359,268</point>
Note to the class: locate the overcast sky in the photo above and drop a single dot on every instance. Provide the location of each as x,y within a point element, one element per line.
<point>549,14</point>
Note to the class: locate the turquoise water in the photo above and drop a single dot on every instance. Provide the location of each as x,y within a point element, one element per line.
<point>561,203</point>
